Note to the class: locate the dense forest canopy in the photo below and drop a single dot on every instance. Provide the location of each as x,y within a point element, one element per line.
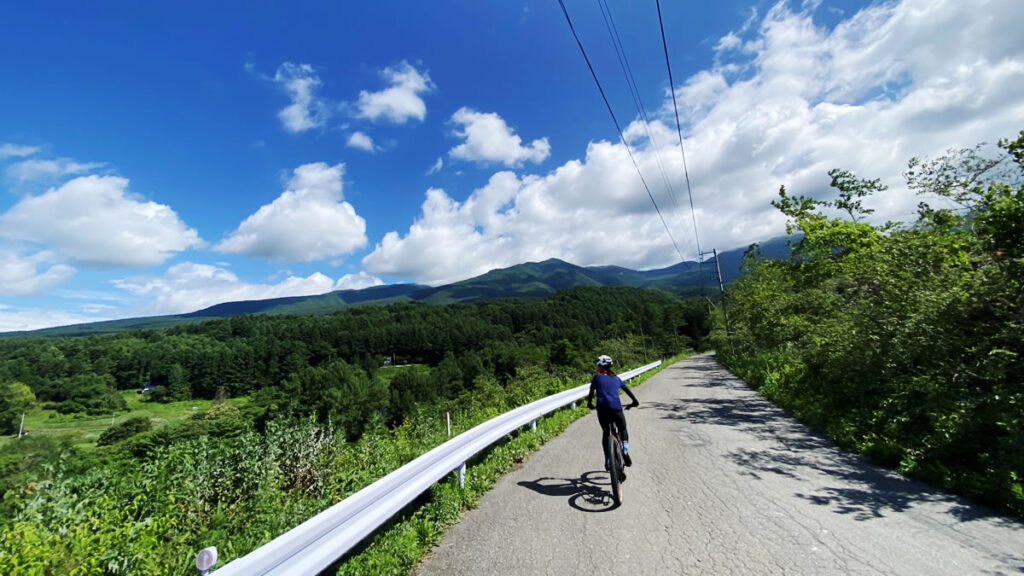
<point>246,354</point>
<point>904,342</point>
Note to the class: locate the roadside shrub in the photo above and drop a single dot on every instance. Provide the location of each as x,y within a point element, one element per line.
<point>124,430</point>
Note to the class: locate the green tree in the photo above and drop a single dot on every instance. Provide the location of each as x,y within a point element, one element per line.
<point>177,386</point>
<point>337,392</point>
<point>124,430</point>
<point>408,388</point>
<point>850,191</point>
<point>15,399</point>
<point>446,378</point>
<point>563,353</point>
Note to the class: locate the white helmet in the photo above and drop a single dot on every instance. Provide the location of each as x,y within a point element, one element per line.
<point>604,360</point>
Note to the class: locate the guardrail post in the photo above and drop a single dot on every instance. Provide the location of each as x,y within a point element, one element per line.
<point>462,476</point>
<point>533,425</point>
<point>573,404</point>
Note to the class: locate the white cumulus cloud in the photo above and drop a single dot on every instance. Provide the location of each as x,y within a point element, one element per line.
<point>488,139</point>
<point>401,100</point>
<point>95,221</point>
<point>45,170</point>
<point>307,109</point>
<point>810,5</point>
<point>436,167</point>
<point>357,281</point>
<point>587,213</point>
<point>795,99</point>
<point>728,42</point>
<point>21,275</point>
<point>14,318</point>
<point>309,221</point>
<point>187,287</point>
<point>8,150</point>
<point>361,141</point>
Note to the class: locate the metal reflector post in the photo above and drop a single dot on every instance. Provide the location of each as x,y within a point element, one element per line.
<point>206,559</point>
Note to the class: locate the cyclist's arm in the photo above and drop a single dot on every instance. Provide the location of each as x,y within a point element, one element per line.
<point>630,394</point>
<point>590,395</point>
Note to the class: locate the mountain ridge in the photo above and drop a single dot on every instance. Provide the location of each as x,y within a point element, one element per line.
<point>526,280</point>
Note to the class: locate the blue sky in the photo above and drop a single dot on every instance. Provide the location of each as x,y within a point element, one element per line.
<point>158,159</point>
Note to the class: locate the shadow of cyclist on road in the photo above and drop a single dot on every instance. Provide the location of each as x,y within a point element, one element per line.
<point>588,493</point>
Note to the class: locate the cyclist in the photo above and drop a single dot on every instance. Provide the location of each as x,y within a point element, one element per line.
<point>605,385</point>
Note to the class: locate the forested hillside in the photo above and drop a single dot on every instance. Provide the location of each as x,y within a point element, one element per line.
<point>250,353</point>
<point>903,342</point>
<point>528,280</point>
<point>335,402</point>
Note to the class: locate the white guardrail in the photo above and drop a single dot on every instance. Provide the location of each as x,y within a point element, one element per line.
<point>316,543</point>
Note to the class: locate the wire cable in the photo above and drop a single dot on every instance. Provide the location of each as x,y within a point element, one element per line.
<point>618,128</point>
<point>634,90</point>
<point>679,129</point>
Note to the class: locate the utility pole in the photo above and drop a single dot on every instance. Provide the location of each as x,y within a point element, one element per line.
<point>721,289</point>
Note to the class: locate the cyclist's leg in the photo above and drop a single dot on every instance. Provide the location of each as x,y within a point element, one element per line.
<point>620,422</point>
<point>606,421</point>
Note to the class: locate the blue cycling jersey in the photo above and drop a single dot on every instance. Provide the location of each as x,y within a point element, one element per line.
<point>607,389</point>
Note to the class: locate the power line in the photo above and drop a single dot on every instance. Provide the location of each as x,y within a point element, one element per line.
<point>634,90</point>
<point>679,129</point>
<point>618,128</point>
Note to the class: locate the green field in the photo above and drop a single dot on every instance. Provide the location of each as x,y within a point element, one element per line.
<point>387,373</point>
<point>85,430</point>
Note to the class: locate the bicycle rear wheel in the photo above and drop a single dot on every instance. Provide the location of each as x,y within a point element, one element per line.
<point>615,454</point>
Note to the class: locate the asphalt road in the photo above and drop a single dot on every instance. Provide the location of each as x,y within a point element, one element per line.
<point>723,482</point>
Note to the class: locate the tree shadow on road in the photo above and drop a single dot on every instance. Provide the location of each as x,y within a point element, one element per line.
<point>748,413</point>
<point>785,447</point>
<point>588,493</point>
